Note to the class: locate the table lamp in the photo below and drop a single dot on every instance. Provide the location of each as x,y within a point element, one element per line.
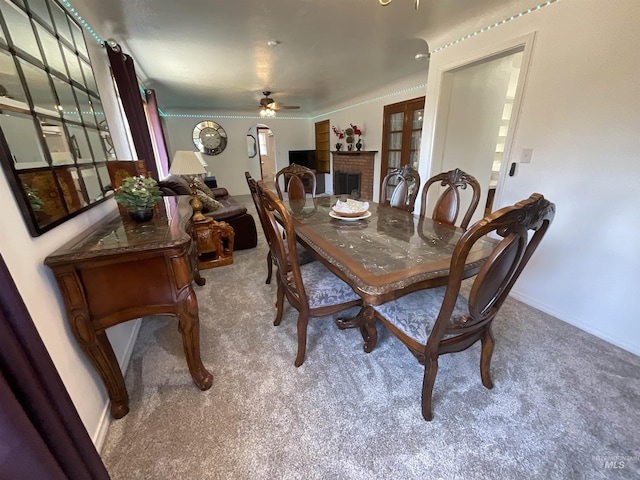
<point>187,164</point>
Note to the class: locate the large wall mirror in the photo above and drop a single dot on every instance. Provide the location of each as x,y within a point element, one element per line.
<point>54,138</point>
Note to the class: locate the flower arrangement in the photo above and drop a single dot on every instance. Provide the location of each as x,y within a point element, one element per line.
<point>356,130</point>
<point>339,134</point>
<point>138,193</point>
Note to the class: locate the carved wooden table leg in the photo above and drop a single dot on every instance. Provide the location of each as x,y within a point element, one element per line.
<point>189,326</point>
<point>354,322</point>
<point>366,321</point>
<point>368,329</point>
<point>98,350</point>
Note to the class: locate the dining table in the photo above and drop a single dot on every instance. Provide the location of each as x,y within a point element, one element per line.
<point>383,254</point>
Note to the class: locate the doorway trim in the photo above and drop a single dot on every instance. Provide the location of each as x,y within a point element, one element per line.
<point>443,88</point>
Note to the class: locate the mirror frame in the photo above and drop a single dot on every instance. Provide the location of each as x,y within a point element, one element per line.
<point>73,178</point>
<point>252,148</point>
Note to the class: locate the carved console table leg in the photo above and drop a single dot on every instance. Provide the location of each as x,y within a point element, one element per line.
<point>111,376</point>
<point>94,344</point>
<point>189,326</point>
<point>98,350</point>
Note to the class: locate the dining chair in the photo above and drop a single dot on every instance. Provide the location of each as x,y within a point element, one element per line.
<point>400,188</point>
<point>448,204</point>
<point>303,255</point>
<point>312,289</point>
<point>253,188</point>
<point>294,178</point>
<point>440,320</point>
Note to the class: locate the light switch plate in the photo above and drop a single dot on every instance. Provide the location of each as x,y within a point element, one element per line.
<point>527,153</point>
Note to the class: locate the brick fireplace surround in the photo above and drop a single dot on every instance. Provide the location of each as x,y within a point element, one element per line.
<point>356,162</point>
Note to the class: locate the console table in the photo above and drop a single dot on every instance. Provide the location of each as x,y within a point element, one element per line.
<point>119,270</point>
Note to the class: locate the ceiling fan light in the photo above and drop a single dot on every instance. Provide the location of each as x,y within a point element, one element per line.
<point>267,112</point>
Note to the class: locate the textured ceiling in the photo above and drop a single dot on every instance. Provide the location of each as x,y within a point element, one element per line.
<point>213,54</point>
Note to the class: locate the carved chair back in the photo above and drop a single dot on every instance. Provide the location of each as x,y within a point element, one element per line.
<point>257,201</point>
<point>462,321</point>
<point>324,294</point>
<point>294,177</point>
<point>403,183</point>
<point>285,257</point>
<point>447,206</point>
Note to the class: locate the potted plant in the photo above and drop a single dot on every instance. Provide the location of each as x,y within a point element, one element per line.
<point>349,133</point>
<point>138,195</point>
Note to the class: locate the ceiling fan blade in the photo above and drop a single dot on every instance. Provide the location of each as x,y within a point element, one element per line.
<point>279,106</point>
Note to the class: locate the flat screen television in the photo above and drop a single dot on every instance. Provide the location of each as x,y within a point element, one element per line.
<point>306,158</point>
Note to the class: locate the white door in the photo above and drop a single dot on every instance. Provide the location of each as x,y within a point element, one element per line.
<point>475,119</point>
<point>266,150</point>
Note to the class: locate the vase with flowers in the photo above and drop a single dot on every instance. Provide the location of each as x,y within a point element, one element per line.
<point>357,131</point>
<point>138,195</point>
<point>339,134</point>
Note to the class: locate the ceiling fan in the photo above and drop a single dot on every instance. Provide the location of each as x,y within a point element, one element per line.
<point>269,103</point>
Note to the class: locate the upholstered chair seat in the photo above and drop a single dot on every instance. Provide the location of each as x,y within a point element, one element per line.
<point>312,289</point>
<point>415,314</point>
<point>323,288</point>
<point>440,320</point>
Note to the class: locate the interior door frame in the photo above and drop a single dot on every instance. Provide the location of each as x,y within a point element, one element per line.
<point>525,42</point>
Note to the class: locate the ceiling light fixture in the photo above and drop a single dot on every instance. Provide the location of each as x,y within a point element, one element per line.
<point>384,3</point>
<point>422,56</point>
<point>267,112</point>
<point>273,43</point>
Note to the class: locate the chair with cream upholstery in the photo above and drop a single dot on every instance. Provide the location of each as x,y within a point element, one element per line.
<point>400,188</point>
<point>311,289</point>
<point>448,204</point>
<point>440,320</point>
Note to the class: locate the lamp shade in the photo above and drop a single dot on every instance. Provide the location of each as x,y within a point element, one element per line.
<point>186,163</point>
<point>201,158</point>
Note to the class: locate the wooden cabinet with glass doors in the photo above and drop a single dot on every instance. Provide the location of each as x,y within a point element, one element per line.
<point>402,132</point>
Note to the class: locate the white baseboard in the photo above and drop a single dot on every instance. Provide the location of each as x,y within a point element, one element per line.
<point>630,347</point>
<point>105,421</point>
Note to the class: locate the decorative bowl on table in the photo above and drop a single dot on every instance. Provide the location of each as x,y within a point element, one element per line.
<point>351,209</point>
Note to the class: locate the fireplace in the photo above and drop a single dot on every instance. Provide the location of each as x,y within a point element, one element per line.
<point>347,183</point>
<point>353,170</point>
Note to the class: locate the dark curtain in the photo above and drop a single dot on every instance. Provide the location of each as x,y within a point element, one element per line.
<point>125,76</point>
<point>158,132</point>
<point>41,434</point>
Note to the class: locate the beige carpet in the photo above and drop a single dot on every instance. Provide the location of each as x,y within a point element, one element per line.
<point>565,404</point>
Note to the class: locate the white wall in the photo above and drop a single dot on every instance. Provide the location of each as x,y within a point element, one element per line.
<point>24,257</point>
<point>581,115</point>
<point>230,165</point>
<point>367,113</point>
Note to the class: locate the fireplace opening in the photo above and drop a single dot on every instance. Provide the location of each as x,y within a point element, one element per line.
<point>347,183</point>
